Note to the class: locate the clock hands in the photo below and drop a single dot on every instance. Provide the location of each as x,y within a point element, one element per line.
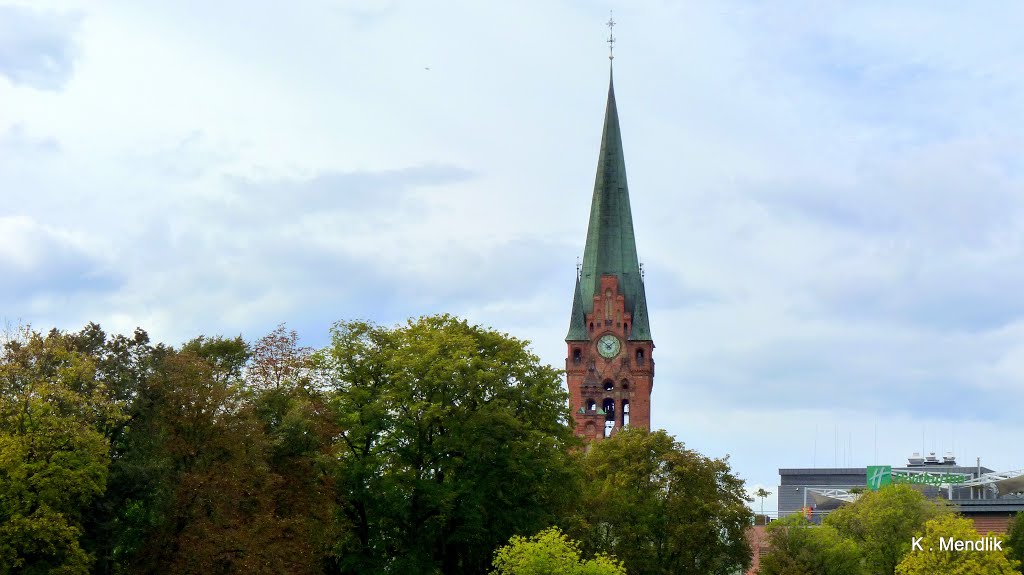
<point>608,346</point>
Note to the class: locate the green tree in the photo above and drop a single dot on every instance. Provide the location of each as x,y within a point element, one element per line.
<point>116,522</point>
<point>930,559</point>
<point>225,357</point>
<point>761,493</point>
<point>451,439</point>
<point>883,522</point>
<point>297,426</point>
<point>279,362</point>
<point>53,460</point>
<point>798,547</point>
<point>1015,539</point>
<point>220,506</point>
<point>662,508</point>
<point>246,456</point>
<point>550,553</point>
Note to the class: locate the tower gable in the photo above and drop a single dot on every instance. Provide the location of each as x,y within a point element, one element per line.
<point>610,377</point>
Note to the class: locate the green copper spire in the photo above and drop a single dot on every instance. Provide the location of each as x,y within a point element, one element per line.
<point>578,321</point>
<point>611,245</point>
<point>641,325</point>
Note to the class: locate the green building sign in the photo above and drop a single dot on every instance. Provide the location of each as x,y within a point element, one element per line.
<point>879,476</point>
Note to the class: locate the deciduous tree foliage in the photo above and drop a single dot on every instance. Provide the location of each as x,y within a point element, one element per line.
<point>279,362</point>
<point>1015,540</point>
<point>297,427</point>
<point>115,522</point>
<point>932,560</point>
<point>662,508</point>
<point>212,454</point>
<point>798,547</point>
<point>883,522</point>
<point>227,506</point>
<point>451,439</point>
<point>199,478</point>
<point>53,459</point>
<point>225,357</point>
<point>550,553</point>
<point>415,449</point>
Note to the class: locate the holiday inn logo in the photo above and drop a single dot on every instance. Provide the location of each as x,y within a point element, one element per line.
<point>879,476</point>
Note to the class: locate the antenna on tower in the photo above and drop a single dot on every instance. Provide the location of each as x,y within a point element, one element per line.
<point>578,267</point>
<point>611,36</point>
<point>641,270</point>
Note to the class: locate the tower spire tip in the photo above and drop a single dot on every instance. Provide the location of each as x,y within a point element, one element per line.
<point>611,36</point>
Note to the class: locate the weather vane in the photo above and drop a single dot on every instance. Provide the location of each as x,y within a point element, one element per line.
<point>611,36</point>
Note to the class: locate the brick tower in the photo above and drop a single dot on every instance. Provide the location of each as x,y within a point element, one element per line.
<point>610,371</point>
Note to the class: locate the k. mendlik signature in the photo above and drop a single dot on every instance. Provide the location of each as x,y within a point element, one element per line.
<point>952,544</point>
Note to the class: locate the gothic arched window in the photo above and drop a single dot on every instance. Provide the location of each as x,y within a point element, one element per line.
<point>609,409</point>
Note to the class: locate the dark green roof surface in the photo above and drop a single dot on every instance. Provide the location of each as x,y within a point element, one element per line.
<point>611,245</point>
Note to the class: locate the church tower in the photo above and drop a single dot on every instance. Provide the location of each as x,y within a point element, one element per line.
<point>609,368</point>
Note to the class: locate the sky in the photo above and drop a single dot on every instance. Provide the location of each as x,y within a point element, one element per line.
<point>827,196</point>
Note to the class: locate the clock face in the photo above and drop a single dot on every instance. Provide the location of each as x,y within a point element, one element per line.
<point>608,346</point>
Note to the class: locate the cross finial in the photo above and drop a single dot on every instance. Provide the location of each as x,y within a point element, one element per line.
<point>611,36</point>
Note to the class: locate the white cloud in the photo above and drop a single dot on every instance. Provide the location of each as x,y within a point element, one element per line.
<point>36,259</point>
<point>36,48</point>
